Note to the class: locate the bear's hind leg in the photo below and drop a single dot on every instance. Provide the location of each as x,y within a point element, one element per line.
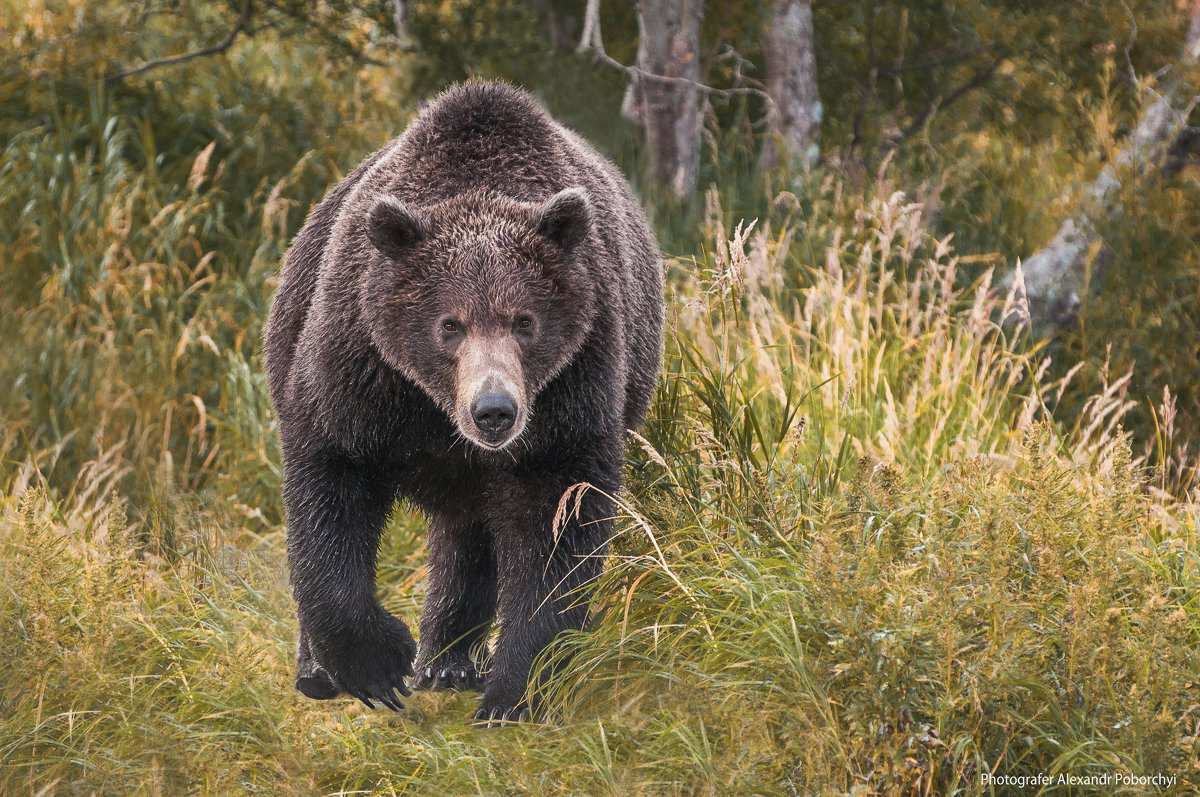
<point>460,603</point>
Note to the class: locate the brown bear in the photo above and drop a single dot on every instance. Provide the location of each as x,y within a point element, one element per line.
<point>470,321</point>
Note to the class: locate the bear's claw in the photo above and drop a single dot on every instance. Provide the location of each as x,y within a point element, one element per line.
<point>384,694</point>
<point>460,677</point>
<point>499,717</point>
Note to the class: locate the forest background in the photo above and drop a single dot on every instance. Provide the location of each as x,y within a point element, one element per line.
<point>892,527</point>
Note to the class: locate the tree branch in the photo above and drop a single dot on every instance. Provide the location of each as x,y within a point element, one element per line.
<point>932,60</point>
<point>591,39</point>
<point>1183,152</point>
<point>981,76</point>
<point>636,72</point>
<point>1191,42</point>
<point>242,21</point>
<point>326,32</point>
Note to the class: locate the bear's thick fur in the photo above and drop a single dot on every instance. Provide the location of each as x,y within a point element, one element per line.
<point>471,321</point>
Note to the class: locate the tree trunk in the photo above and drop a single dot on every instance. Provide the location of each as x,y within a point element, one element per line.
<point>667,91</point>
<point>1192,45</point>
<point>1055,277</point>
<point>591,39</point>
<point>399,22</point>
<point>794,114</point>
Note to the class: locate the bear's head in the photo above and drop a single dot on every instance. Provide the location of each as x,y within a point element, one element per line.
<point>480,300</point>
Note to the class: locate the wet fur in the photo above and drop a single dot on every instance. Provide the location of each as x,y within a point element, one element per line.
<point>363,422</point>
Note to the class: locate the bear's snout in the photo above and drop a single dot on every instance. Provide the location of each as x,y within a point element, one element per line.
<point>494,413</point>
<point>490,406</point>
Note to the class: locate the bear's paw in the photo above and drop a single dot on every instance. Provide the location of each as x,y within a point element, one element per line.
<point>370,666</point>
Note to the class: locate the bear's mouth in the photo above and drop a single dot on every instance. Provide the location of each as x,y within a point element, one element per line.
<point>500,446</point>
<point>490,441</point>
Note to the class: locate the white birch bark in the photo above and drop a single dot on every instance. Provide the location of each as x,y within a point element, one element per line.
<point>666,89</point>
<point>399,12</point>
<point>591,39</point>
<point>794,113</point>
<point>1056,276</point>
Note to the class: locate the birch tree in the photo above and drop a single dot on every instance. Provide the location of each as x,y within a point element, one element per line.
<point>794,112</point>
<point>1055,277</point>
<point>399,23</point>
<point>666,88</point>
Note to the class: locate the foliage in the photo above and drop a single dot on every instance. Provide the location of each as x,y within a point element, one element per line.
<point>1143,316</point>
<point>874,541</point>
<point>141,242</point>
<point>784,613</point>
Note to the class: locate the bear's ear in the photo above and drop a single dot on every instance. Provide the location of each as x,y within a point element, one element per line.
<point>566,218</point>
<point>393,227</point>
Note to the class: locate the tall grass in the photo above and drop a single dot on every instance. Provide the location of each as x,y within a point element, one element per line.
<point>861,549</point>
<point>137,282</point>
<point>857,555</point>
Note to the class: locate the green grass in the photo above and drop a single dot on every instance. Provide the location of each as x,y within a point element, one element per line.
<point>855,554</point>
<point>862,548</point>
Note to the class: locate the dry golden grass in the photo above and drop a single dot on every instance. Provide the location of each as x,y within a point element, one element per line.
<point>862,551</point>
<point>856,554</point>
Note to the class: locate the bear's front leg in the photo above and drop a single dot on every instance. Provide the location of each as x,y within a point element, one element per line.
<point>460,601</point>
<point>545,578</point>
<point>336,510</point>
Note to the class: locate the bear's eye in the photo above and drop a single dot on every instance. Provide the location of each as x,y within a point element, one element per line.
<point>449,325</point>
<point>525,324</point>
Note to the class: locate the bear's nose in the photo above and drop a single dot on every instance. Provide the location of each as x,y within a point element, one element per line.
<point>494,413</point>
